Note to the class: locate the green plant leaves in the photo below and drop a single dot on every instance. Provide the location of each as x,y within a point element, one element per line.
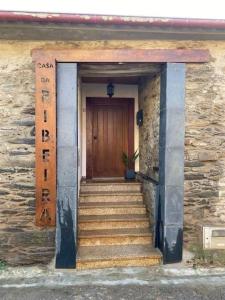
<point>129,160</point>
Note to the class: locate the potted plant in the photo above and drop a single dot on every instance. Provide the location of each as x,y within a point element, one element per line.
<point>129,163</point>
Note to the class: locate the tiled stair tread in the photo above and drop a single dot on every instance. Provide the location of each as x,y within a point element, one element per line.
<point>110,182</point>
<point>106,180</point>
<point>105,218</point>
<point>110,193</point>
<point>115,232</point>
<point>126,204</point>
<point>90,253</point>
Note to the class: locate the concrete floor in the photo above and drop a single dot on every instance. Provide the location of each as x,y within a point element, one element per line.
<point>163,282</point>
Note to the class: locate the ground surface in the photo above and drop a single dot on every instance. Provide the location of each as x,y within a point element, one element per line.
<point>157,283</point>
<point>116,292</point>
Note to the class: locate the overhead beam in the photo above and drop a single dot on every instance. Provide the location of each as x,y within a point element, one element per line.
<point>125,55</point>
<point>118,70</point>
<point>116,75</point>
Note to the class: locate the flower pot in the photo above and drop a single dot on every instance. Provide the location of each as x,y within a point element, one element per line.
<point>129,174</point>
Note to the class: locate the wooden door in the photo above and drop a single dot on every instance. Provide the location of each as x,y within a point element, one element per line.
<point>110,131</point>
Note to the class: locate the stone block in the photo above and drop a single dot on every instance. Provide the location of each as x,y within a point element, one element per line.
<point>208,156</point>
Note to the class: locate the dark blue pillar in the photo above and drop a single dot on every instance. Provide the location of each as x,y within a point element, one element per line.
<point>66,222</point>
<point>171,161</point>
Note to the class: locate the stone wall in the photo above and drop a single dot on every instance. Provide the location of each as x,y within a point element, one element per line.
<point>21,242</point>
<point>204,202</point>
<point>204,147</point>
<point>149,99</point>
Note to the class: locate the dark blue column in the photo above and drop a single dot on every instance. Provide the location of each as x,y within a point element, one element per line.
<point>66,165</point>
<point>171,161</point>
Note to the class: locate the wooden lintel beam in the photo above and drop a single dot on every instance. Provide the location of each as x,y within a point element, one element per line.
<point>125,55</point>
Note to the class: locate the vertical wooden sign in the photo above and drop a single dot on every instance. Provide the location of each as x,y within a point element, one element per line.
<point>45,113</point>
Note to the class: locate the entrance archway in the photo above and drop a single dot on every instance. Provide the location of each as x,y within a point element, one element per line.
<point>56,173</point>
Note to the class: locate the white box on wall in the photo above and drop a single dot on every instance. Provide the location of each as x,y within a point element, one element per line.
<point>213,237</point>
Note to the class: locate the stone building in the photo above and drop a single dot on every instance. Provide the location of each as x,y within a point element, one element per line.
<point>76,91</point>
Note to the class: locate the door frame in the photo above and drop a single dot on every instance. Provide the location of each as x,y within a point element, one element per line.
<point>45,61</point>
<point>89,132</point>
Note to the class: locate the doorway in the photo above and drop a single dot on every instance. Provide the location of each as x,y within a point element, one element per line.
<point>171,160</point>
<point>110,132</point>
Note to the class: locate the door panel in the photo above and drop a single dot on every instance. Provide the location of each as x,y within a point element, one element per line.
<point>109,134</point>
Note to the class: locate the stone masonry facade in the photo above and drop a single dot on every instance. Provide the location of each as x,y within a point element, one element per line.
<point>21,242</point>
<point>149,99</point>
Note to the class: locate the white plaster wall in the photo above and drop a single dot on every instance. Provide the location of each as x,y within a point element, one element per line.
<point>99,90</point>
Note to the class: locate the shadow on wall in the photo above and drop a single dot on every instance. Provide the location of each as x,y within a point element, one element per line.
<point>66,254</point>
<point>174,248</point>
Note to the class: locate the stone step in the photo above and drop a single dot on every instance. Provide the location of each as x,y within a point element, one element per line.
<point>110,187</point>
<point>93,257</point>
<point>112,221</point>
<point>119,236</point>
<point>106,209</point>
<point>110,196</point>
<point>111,204</point>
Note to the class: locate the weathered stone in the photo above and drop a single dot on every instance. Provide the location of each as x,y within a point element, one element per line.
<point>29,111</point>
<point>4,192</point>
<point>9,211</point>
<point>7,170</point>
<point>22,170</point>
<point>15,153</point>
<point>149,94</point>
<point>193,164</point>
<point>24,123</point>
<point>207,194</point>
<point>22,186</point>
<point>194,176</point>
<point>208,156</point>
<point>32,132</point>
<point>28,141</point>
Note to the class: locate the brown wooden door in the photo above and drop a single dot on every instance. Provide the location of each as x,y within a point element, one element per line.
<point>110,131</point>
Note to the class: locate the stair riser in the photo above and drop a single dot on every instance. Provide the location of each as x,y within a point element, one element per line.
<point>111,211</point>
<point>110,188</point>
<point>134,262</point>
<point>109,198</point>
<point>112,225</point>
<point>121,240</point>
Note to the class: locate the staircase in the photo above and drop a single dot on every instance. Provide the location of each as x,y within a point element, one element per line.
<point>113,226</point>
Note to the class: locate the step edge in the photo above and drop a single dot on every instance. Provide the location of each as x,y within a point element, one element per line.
<point>111,183</point>
<point>106,203</point>
<point>115,206</point>
<point>114,236</point>
<point>116,193</point>
<point>150,256</point>
<point>113,220</point>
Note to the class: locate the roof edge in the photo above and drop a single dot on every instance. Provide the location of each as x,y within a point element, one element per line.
<point>40,17</point>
